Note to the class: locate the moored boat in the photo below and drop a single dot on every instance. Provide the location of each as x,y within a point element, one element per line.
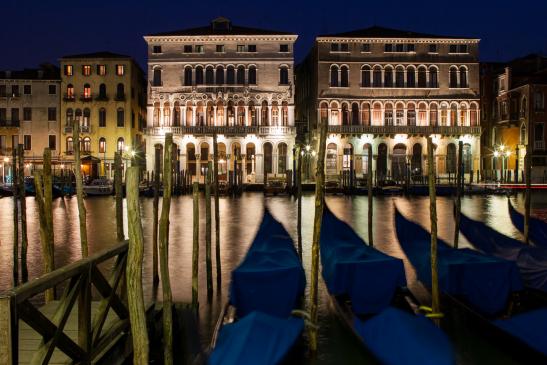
<point>537,228</point>
<point>99,187</point>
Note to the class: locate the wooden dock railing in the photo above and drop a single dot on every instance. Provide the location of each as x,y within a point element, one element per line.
<point>94,333</point>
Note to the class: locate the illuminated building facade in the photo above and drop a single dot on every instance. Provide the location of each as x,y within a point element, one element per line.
<point>392,89</point>
<point>234,81</point>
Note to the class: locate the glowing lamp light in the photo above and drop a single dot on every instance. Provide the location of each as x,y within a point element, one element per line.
<point>508,153</point>
<point>366,138</point>
<point>6,159</point>
<point>133,153</point>
<point>435,138</point>
<point>313,153</point>
<point>496,153</point>
<point>502,147</point>
<point>302,153</point>
<point>466,139</point>
<point>62,165</point>
<point>308,148</point>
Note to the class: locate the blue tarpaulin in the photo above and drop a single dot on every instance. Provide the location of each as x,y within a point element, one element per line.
<point>271,278</point>
<point>353,268</point>
<point>396,338</point>
<point>531,260</point>
<point>529,327</point>
<point>537,228</point>
<point>257,339</point>
<point>485,282</point>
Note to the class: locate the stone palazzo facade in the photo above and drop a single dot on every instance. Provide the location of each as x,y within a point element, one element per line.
<point>234,81</point>
<point>391,89</point>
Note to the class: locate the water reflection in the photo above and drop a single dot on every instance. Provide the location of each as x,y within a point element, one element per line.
<point>240,218</point>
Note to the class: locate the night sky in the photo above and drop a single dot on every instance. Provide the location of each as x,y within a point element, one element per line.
<point>34,31</point>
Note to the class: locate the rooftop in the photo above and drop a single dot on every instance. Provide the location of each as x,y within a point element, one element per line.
<point>383,32</point>
<point>45,72</point>
<point>101,54</point>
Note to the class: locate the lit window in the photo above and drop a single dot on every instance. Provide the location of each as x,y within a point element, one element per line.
<point>70,91</point>
<point>240,48</point>
<point>365,47</point>
<point>86,70</point>
<point>283,76</point>
<point>120,145</point>
<point>220,48</point>
<point>69,71</point>
<point>120,70</point>
<point>87,91</point>
<point>102,145</point>
<point>199,49</point>
<point>458,48</point>
<point>101,70</point>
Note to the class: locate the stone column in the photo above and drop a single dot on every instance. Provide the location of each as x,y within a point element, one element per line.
<point>194,121</point>
<point>183,116</point>
<point>215,115</point>
<point>161,117</point>
<point>245,119</point>
<point>225,116</point>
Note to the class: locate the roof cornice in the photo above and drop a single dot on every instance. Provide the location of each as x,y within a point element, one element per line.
<point>219,38</point>
<point>395,39</point>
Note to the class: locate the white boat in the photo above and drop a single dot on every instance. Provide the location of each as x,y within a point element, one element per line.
<point>99,187</point>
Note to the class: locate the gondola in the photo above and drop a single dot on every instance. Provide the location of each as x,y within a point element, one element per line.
<point>477,289</point>
<point>537,230</point>
<point>366,288</point>
<point>256,326</point>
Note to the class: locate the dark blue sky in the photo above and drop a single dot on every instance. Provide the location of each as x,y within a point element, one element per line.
<point>36,31</point>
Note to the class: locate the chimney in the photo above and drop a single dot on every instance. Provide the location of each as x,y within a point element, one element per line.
<point>507,78</point>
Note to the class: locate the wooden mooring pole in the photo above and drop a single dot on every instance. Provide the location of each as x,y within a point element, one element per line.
<point>163,248</point>
<point>299,199</point>
<point>208,263</point>
<point>458,205</point>
<point>23,213</point>
<point>319,205</point>
<point>15,188</point>
<point>119,195</point>
<point>79,187</point>
<point>527,193</point>
<point>217,214</point>
<point>155,204</point>
<point>369,193</point>
<point>135,255</point>
<point>195,245</point>
<point>435,300</point>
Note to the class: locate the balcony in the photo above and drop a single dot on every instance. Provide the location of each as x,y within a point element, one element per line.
<point>101,98</point>
<point>86,99</point>
<point>403,129</point>
<point>224,130</point>
<point>539,145</point>
<point>83,129</point>
<point>9,123</point>
<point>119,97</point>
<point>69,97</point>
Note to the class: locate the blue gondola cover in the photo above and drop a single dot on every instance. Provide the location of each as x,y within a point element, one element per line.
<point>396,338</point>
<point>256,339</point>
<point>352,268</point>
<point>529,327</point>
<point>270,278</point>
<point>531,260</point>
<point>538,228</point>
<point>485,282</point>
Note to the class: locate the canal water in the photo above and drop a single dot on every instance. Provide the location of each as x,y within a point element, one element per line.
<point>240,218</point>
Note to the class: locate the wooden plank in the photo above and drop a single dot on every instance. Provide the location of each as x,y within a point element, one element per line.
<point>107,291</point>
<point>5,331</point>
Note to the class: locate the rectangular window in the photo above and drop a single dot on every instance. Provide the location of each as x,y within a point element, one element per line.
<point>399,47</point>
<point>68,70</point>
<point>199,49</point>
<point>283,48</point>
<point>120,118</point>
<point>14,114</point>
<point>15,140</point>
<point>102,117</point>
<point>458,48</point>
<point>3,145</point>
<point>339,47</point>
<point>27,89</point>
<point>251,48</point>
<point>539,101</point>
<point>2,90</point>
<point>132,120</point>
<point>27,142</point>
<point>52,114</point>
<point>538,135</point>
<point>120,70</point>
<point>365,47</point>
<point>220,48</point>
<point>52,89</point>
<point>14,90</point>
<point>187,48</point>
<point>86,70</point>
<point>27,114</point>
<point>52,142</point>
<point>388,47</point>
<point>3,115</point>
<point>156,49</point>
<point>101,70</point>
<point>432,48</point>
<point>241,48</point>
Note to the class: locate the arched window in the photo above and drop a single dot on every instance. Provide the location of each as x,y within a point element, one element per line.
<point>86,146</point>
<point>78,116</point>
<point>453,77</point>
<point>355,114</point>
<point>377,114</point>
<point>451,158</point>
<point>220,75</point>
<point>87,92</point>
<point>410,77</point>
<point>365,114</point>
<point>264,120</point>
<point>252,75</point>
<point>102,117</point>
<point>399,76</point>
<point>176,114</point>
<point>120,117</point>
<point>120,145</point>
<point>433,77</point>
<point>344,76</point>
<point>365,76</point>
<point>230,75</point>
<point>433,121</point>
<point>209,76</point>
<point>69,146</point>
<point>473,115</point>
<point>453,115</point>
<point>422,78</point>
<point>422,114</point>
<point>410,114</point>
<point>102,145</point>
<point>102,91</point>
<point>400,114</point>
<point>281,158</point>
<point>120,92</point>
<point>268,152</point>
<point>188,76</point>
<point>381,162</point>
<point>463,115</point>
<point>166,115</point>
<point>275,114</point>
<point>334,114</point>
<point>463,77</point>
<point>345,114</point>
<point>331,159</point>
<point>334,76</point>
<point>191,157</point>
<point>444,115</point>
<point>252,114</point>
<point>240,75</point>
<point>377,76</point>
<point>69,116</point>
<point>156,81</point>
<point>84,122</point>
<point>70,91</point>
<point>283,75</point>
<point>250,157</point>
<point>523,138</point>
<point>388,77</point>
<point>199,75</point>
<point>284,113</point>
<point>388,114</point>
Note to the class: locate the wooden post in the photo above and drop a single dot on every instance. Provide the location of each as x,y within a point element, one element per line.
<point>44,235</point>
<point>369,193</point>
<point>119,195</point>
<point>15,188</point>
<point>79,187</point>
<point>319,203</point>
<point>435,301</point>
<point>299,199</point>
<point>157,160</point>
<point>195,246</point>
<point>135,255</point>
<point>164,258</point>
<point>458,206</point>
<point>208,263</point>
<point>48,208</point>
<point>528,192</point>
<point>23,212</point>
<point>217,213</point>
<point>7,347</point>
